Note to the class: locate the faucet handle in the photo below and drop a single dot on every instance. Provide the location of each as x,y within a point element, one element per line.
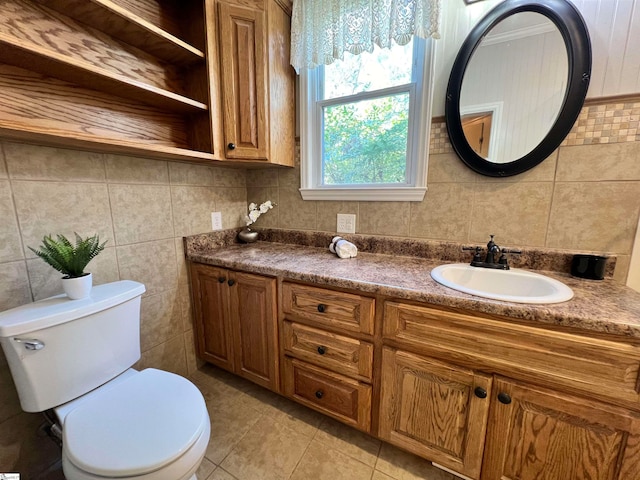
<point>503,258</point>
<point>511,250</point>
<point>477,256</point>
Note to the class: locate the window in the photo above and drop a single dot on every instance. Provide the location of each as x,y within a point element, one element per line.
<point>365,125</point>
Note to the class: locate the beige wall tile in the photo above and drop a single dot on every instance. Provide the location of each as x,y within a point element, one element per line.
<point>184,299</point>
<point>3,164</point>
<point>188,174</point>
<point>328,214</point>
<point>232,202</point>
<point>260,195</point>
<point>124,169</point>
<point>543,172</point>
<point>193,363</point>
<point>623,263</point>
<point>447,167</point>
<point>168,356</point>
<point>183,275</point>
<point>516,213</point>
<point>229,177</point>
<point>14,285</point>
<point>384,218</point>
<point>46,282</point>
<point>445,212</point>
<point>289,178</point>
<point>61,208</point>
<point>160,319</point>
<point>10,243</point>
<point>151,263</point>
<point>594,216</point>
<point>262,177</point>
<point>141,213</point>
<point>616,161</point>
<point>9,401</point>
<point>34,162</point>
<point>192,207</point>
<point>293,212</point>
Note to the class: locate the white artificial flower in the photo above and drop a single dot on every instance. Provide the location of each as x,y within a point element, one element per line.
<point>252,206</point>
<point>253,215</point>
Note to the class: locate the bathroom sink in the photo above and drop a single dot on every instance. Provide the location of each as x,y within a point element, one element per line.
<point>515,285</point>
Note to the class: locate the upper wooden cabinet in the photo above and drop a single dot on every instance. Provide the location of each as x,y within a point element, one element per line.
<point>143,77</point>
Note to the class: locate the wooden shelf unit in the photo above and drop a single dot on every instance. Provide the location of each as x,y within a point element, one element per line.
<point>106,75</point>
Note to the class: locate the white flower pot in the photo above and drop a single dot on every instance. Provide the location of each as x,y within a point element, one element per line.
<point>78,287</point>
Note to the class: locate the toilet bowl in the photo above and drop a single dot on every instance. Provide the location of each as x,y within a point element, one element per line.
<point>152,425</point>
<point>75,357</point>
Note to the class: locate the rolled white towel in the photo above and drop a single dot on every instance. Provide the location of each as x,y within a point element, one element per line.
<point>343,248</point>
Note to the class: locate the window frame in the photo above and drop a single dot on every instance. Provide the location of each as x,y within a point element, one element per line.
<point>420,107</point>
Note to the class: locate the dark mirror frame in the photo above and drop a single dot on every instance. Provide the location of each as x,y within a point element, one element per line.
<point>576,38</point>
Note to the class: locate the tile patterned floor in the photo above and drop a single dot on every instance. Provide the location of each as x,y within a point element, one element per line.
<point>258,435</point>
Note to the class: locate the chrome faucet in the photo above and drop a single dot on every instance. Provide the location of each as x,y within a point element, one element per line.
<point>493,251</point>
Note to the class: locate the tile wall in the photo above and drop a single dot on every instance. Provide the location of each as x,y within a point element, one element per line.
<point>142,208</point>
<point>584,197</point>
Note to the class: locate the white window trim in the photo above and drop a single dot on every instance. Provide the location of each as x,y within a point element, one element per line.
<point>414,192</point>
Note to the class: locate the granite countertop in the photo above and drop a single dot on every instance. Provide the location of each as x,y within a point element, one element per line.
<point>598,306</point>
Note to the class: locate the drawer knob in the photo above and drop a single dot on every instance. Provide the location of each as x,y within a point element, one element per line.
<point>231,146</point>
<point>480,392</point>
<point>231,282</point>
<point>322,308</point>
<point>319,394</point>
<point>322,350</point>
<point>221,279</point>
<point>504,398</point>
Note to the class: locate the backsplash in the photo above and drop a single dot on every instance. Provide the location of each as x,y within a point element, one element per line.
<point>448,252</point>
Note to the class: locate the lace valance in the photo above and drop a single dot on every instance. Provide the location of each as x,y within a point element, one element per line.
<point>322,30</point>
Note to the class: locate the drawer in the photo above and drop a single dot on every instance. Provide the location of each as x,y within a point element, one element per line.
<point>335,395</point>
<point>345,311</point>
<point>578,363</point>
<point>338,353</point>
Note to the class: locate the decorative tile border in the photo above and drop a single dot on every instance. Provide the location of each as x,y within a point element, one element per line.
<point>596,124</point>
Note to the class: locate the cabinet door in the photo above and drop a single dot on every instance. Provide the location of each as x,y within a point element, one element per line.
<point>242,68</point>
<point>435,410</point>
<point>254,319</point>
<point>541,434</point>
<point>211,314</point>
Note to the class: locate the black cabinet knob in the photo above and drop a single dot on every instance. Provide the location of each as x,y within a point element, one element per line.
<point>322,308</point>
<point>319,394</point>
<point>231,146</point>
<point>231,282</point>
<point>221,279</point>
<point>322,350</point>
<point>504,398</point>
<point>480,392</point>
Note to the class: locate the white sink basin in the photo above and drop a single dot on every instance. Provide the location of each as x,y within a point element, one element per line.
<point>515,285</point>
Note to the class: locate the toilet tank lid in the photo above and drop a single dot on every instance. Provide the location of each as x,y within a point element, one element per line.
<point>60,309</point>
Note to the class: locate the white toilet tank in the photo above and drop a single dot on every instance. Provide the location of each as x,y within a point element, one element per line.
<point>59,349</point>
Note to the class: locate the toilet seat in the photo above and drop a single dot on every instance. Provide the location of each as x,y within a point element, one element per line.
<point>143,424</point>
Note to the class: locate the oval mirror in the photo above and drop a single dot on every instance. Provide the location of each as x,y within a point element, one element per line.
<point>517,85</point>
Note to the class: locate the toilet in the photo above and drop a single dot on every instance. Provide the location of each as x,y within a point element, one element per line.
<point>74,357</point>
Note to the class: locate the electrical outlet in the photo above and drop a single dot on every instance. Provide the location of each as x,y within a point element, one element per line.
<point>216,221</point>
<point>346,223</point>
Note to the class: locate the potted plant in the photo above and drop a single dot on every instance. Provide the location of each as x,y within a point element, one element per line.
<point>71,260</point>
<point>247,235</point>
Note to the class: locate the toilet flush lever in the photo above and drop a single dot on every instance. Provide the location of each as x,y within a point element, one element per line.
<point>30,343</point>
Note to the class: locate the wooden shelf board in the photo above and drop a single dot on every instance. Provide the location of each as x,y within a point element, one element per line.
<point>51,63</point>
<point>107,145</point>
<point>114,20</point>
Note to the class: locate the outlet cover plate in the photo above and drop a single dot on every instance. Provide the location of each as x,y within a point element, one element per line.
<point>346,223</point>
<point>216,220</point>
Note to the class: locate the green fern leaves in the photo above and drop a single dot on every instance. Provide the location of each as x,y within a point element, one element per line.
<point>68,259</point>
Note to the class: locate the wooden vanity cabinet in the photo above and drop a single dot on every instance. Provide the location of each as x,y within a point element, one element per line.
<point>236,322</point>
<point>541,423</point>
<point>327,350</point>
<point>535,433</point>
<point>433,409</point>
